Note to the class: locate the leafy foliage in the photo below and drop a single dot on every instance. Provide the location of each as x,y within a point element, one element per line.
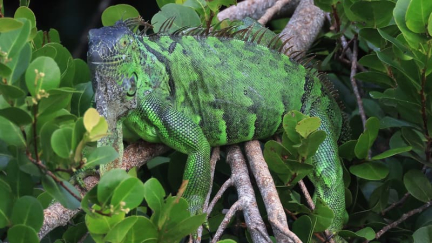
<point>48,130</point>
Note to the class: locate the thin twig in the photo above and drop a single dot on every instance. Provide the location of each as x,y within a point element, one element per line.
<point>306,194</point>
<point>395,204</point>
<point>401,219</point>
<point>223,225</point>
<point>354,83</point>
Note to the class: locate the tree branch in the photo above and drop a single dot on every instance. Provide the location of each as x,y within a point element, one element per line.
<point>303,27</point>
<point>401,219</point>
<point>136,154</point>
<point>246,202</point>
<point>269,193</point>
<point>272,11</point>
<point>255,9</point>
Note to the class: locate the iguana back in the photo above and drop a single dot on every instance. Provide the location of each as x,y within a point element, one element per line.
<point>195,90</point>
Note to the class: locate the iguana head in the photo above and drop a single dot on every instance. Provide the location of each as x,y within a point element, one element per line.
<point>114,70</point>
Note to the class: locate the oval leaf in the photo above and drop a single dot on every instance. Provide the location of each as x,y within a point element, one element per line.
<point>25,12</point>
<point>61,142</point>
<point>8,24</point>
<point>130,192</point>
<point>101,155</point>
<point>418,185</point>
<point>307,126</point>
<point>11,134</point>
<point>391,152</point>
<point>417,15</point>
<point>118,12</point>
<point>22,234</point>
<point>28,211</point>
<point>370,170</point>
<point>91,119</point>
<point>43,73</point>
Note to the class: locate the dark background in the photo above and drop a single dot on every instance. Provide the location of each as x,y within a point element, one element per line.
<point>73,18</point>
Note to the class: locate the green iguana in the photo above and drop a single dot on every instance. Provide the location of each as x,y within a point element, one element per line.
<point>192,90</point>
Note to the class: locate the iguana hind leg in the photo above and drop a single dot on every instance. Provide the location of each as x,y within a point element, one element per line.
<point>328,174</point>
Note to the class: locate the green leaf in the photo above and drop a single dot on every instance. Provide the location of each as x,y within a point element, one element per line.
<point>154,194</point>
<point>290,122</point>
<point>108,183</point>
<point>25,12</point>
<point>61,194</point>
<point>372,127</point>
<point>58,99</point>
<point>42,73</point>
<point>82,101</point>
<point>423,234</point>
<point>372,61</point>
<point>368,233</point>
<point>367,138</point>
<point>346,150</point>
<point>131,230</point>
<point>19,64</point>
<point>418,185</point>
<point>11,91</point>
<point>309,146</point>
<point>417,15</point>
<point>82,72</point>
<point>45,199</point>
<point>20,183</point>
<point>307,126</point>
<point>46,50</point>
<point>183,228</point>
<point>374,13</point>
<point>11,133</point>
<point>118,12</point>
<point>216,4</point>
<point>303,228</point>
<point>4,70</point>
<point>130,192</point>
<point>161,3</point>
<point>5,204</point>
<point>75,233</point>
<point>391,152</point>
<point>399,12</point>
<point>61,142</point>
<point>429,27</point>
<point>13,41</point>
<point>16,115</point>
<point>273,154</point>
<point>322,215</point>
<point>22,234</point>
<point>99,224</point>
<point>101,155</point>
<point>28,211</point>
<point>370,170</point>
<point>376,78</point>
<point>54,36</point>
<point>183,16</point>
<point>9,24</point>
<point>388,122</point>
<point>362,147</point>
<point>397,43</point>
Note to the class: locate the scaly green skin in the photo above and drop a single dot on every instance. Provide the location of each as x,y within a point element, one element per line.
<point>193,92</point>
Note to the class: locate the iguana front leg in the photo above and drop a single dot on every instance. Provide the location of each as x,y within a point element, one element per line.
<point>178,131</point>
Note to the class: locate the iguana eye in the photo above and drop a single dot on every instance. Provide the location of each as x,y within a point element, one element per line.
<point>132,85</point>
<point>123,43</point>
